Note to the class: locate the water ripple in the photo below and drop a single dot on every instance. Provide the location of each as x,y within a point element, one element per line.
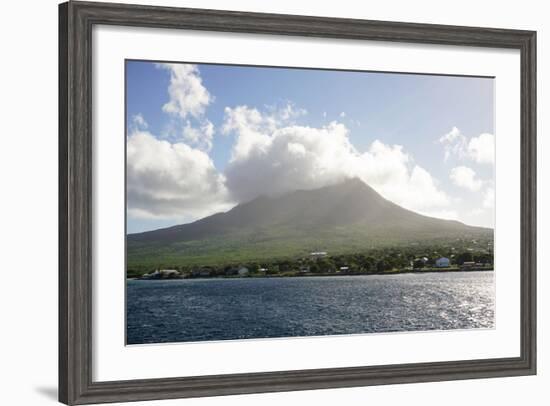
<point>225,309</point>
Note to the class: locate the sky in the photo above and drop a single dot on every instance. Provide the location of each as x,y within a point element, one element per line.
<point>202,138</point>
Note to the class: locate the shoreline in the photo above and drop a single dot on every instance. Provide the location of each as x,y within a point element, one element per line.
<point>308,275</point>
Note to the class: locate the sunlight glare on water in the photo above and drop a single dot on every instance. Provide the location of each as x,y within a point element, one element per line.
<point>226,309</point>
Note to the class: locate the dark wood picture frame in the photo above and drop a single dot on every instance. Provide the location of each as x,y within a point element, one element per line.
<point>76,20</point>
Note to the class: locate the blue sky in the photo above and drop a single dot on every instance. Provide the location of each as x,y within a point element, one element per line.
<point>434,123</point>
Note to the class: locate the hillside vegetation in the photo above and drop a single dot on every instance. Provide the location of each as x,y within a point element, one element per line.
<point>346,218</point>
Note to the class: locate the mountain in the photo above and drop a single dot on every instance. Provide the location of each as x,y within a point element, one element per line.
<point>349,216</point>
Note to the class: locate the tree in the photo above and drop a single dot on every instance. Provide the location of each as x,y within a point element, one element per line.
<point>382,266</point>
<point>418,263</point>
<point>465,256</point>
<point>284,266</point>
<point>314,267</point>
<point>325,265</point>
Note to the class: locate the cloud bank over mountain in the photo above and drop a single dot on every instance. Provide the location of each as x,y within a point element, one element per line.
<point>273,152</point>
<point>274,156</point>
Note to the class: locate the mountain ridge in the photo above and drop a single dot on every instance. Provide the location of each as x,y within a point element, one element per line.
<point>252,204</point>
<point>346,215</point>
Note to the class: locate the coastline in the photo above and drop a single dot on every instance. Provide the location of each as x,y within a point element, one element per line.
<point>322,274</point>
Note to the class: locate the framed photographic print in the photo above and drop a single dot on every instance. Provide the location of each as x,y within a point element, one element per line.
<point>257,202</point>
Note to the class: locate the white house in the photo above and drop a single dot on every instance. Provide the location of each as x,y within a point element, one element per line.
<point>318,254</point>
<point>442,262</point>
<point>243,271</point>
<point>161,274</point>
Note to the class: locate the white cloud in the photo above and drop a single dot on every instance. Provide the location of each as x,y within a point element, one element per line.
<point>286,113</point>
<point>171,180</point>
<point>482,149</point>
<point>342,114</point>
<point>188,101</point>
<point>188,96</point>
<point>451,136</point>
<point>174,178</point>
<point>272,157</point>
<point>420,191</point>
<point>201,136</point>
<point>489,198</point>
<point>465,177</point>
<point>138,122</point>
<point>253,128</point>
<point>442,214</point>
<point>454,143</point>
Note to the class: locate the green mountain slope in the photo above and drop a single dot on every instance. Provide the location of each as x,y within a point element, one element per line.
<point>347,217</point>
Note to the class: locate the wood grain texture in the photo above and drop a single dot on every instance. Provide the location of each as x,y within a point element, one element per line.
<point>76,20</point>
<point>63,246</point>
